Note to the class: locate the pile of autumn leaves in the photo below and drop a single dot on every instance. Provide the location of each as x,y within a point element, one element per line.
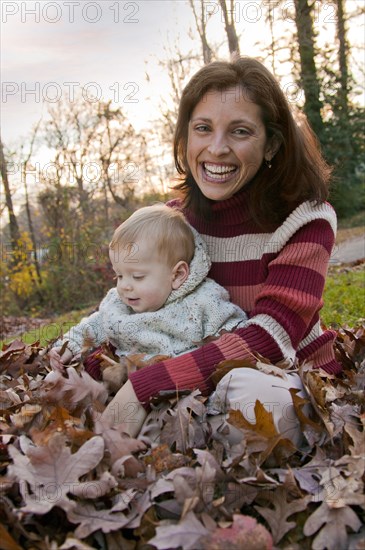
<point>69,480</point>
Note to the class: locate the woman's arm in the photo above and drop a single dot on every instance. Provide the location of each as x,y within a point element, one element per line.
<point>286,309</point>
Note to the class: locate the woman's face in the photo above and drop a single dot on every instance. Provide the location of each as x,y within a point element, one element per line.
<point>227,142</point>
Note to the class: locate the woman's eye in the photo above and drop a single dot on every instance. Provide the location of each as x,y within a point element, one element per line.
<point>202,128</point>
<point>241,131</point>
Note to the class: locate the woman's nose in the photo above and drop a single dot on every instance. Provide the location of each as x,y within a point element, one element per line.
<point>218,144</point>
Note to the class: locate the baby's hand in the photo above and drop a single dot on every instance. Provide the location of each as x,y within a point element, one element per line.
<point>58,360</point>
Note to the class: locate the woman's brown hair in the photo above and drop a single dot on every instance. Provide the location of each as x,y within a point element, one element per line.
<point>298,171</point>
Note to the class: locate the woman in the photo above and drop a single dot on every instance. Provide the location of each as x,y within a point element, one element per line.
<point>254,185</point>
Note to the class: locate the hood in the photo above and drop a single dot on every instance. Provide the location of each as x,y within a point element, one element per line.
<point>199,268</point>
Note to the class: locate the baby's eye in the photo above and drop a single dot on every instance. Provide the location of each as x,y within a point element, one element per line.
<point>138,277</point>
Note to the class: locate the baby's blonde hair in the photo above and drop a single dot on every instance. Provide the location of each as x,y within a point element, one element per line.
<point>164,226</point>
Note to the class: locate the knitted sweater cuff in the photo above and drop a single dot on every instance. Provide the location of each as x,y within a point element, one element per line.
<point>189,371</point>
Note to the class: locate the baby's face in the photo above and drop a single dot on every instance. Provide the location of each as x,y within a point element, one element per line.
<point>144,280</point>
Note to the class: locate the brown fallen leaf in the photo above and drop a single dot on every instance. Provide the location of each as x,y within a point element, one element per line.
<point>7,541</point>
<point>51,471</point>
<point>264,427</point>
<point>88,519</point>
<point>331,523</point>
<point>18,357</point>
<point>277,516</point>
<point>181,429</point>
<point>226,366</point>
<point>25,415</point>
<point>58,419</point>
<point>163,459</point>
<point>185,534</point>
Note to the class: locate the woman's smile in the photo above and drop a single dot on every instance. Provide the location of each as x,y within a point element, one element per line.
<point>227,143</point>
<point>219,173</point>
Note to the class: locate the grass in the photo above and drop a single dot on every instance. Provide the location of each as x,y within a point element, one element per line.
<point>350,228</point>
<point>52,328</point>
<point>344,298</point>
<point>357,220</point>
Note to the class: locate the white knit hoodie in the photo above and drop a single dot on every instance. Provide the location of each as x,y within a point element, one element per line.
<point>197,309</point>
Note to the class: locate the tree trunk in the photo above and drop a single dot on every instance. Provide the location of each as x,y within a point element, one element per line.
<point>200,24</point>
<point>233,43</point>
<point>13,224</point>
<point>27,207</point>
<point>308,71</point>
<point>342,60</point>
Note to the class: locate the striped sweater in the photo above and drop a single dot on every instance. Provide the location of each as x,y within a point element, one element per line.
<point>277,278</point>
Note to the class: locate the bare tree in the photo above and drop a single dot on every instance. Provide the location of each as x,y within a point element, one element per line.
<point>233,42</point>
<point>201,26</point>
<point>13,224</point>
<point>25,164</point>
<point>308,71</point>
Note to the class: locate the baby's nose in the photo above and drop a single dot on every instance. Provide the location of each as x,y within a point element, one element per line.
<point>125,284</point>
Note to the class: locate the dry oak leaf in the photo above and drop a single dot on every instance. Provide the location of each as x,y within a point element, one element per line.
<point>75,544</point>
<point>25,415</point>
<point>268,368</point>
<point>52,471</point>
<point>90,519</point>
<point>163,459</point>
<point>265,428</point>
<point>244,533</point>
<point>333,534</point>
<point>117,442</point>
<point>181,429</point>
<point>226,366</point>
<point>185,534</point>
<point>337,491</point>
<point>343,414</point>
<point>318,387</point>
<point>277,517</point>
<point>313,431</point>
<point>58,419</point>
<point>96,488</point>
<point>18,357</point>
<point>6,540</point>
<point>76,387</point>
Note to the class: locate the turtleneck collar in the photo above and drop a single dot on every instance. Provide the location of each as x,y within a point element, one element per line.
<point>230,211</point>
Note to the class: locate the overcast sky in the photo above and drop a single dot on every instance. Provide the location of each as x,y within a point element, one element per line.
<point>105,48</point>
<point>51,48</point>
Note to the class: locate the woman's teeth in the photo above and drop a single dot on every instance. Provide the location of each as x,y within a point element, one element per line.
<point>218,171</point>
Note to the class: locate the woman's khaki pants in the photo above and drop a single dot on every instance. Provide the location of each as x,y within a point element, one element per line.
<point>241,387</point>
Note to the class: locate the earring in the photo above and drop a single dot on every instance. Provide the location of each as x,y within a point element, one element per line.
<point>268,163</point>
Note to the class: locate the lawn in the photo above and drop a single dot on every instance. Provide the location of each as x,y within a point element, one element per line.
<point>344,297</point>
<point>344,301</point>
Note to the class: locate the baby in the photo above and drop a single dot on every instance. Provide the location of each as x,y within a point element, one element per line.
<point>163,302</point>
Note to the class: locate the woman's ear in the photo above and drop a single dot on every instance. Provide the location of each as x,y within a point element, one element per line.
<point>272,147</point>
<point>180,273</point>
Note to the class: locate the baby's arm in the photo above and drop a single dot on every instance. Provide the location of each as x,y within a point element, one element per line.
<point>90,332</point>
<point>126,409</point>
